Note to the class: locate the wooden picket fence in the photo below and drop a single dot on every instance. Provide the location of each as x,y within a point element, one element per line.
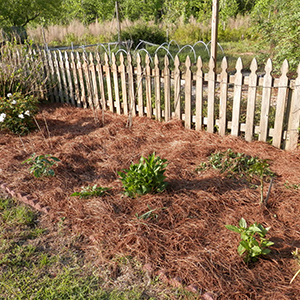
<point>256,107</point>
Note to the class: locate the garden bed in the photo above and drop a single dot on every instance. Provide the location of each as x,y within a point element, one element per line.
<point>185,241</point>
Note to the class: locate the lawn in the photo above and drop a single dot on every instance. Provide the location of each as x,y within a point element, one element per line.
<point>184,243</point>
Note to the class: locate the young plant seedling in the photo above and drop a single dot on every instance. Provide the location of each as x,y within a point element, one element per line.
<point>149,214</point>
<point>91,191</point>
<point>145,177</point>
<point>253,243</point>
<point>41,165</point>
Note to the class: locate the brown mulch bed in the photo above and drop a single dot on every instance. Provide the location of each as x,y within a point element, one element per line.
<point>187,240</point>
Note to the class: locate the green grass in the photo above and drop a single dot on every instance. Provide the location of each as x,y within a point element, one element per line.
<point>33,265</point>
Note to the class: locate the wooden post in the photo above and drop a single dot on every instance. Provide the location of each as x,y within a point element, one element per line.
<point>214,30</point>
<point>118,22</point>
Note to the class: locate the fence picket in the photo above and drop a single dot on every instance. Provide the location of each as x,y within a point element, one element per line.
<point>108,83</point>
<point>199,95</point>
<point>167,91</point>
<point>131,94</point>
<point>94,91</point>
<point>123,85</point>
<point>211,95</point>
<point>139,79</point>
<point>114,70</point>
<point>177,85</point>
<point>81,81</point>
<point>63,77</point>
<point>157,88</point>
<point>69,77</point>
<point>188,94</point>
<point>57,74</point>
<point>99,70</point>
<point>235,125</point>
<point>280,105</point>
<point>251,101</point>
<point>223,97</point>
<point>294,116</point>
<point>265,102</point>
<point>148,86</point>
<point>73,70</point>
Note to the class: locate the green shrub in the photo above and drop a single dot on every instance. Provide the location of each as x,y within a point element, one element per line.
<point>17,112</point>
<point>145,177</point>
<point>146,32</point>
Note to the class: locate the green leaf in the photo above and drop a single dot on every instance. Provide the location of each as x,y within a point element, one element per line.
<point>243,223</point>
<point>233,228</point>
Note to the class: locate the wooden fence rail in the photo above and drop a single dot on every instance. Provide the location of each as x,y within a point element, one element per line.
<point>255,107</point>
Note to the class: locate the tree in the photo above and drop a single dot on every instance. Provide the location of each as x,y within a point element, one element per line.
<point>278,23</point>
<point>20,13</point>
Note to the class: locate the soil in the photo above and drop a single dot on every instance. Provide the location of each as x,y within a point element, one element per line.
<point>187,243</point>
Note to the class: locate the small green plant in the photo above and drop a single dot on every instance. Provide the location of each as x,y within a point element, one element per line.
<point>292,185</point>
<point>240,165</point>
<point>149,214</point>
<point>17,113</point>
<point>91,191</point>
<point>41,165</point>
<point>145,177</point>
<point>253,241</point>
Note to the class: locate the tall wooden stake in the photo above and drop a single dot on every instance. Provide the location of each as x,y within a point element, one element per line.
<point>214,30</point>
<point>118,22</point>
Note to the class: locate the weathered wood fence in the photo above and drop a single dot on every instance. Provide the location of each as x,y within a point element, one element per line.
<point>253,106</point>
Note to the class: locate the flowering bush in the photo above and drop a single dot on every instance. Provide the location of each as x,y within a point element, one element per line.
<point>17,112</point>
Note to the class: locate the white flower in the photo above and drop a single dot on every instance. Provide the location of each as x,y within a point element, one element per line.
<point>9,95</point>
<point>13,102</point>
<point>27,113</point>
<point>2,117</point>
<point>21,116</point>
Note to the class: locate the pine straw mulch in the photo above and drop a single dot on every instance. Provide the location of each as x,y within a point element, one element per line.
<point>187,240</point>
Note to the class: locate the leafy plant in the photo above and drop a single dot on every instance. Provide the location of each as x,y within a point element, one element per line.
<point>145,177</point>
<point>241,165</point>
<point>253,241</point>
<point>41,165</point>
<point>91,191</point>
<point>17,112</point>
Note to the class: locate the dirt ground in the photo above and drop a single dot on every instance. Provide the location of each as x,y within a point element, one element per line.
<point>187,243</point>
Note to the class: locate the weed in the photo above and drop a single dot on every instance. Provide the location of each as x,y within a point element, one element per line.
<point>145,177</point>
<point>91,191</point>
<point>41,165</point>
<point>149,214</point>
<point>292,185</point>
<point>240,165</point>
<point>253,241</point>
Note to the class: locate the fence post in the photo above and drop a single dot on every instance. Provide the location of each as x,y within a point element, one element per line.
<point>123,85</point>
